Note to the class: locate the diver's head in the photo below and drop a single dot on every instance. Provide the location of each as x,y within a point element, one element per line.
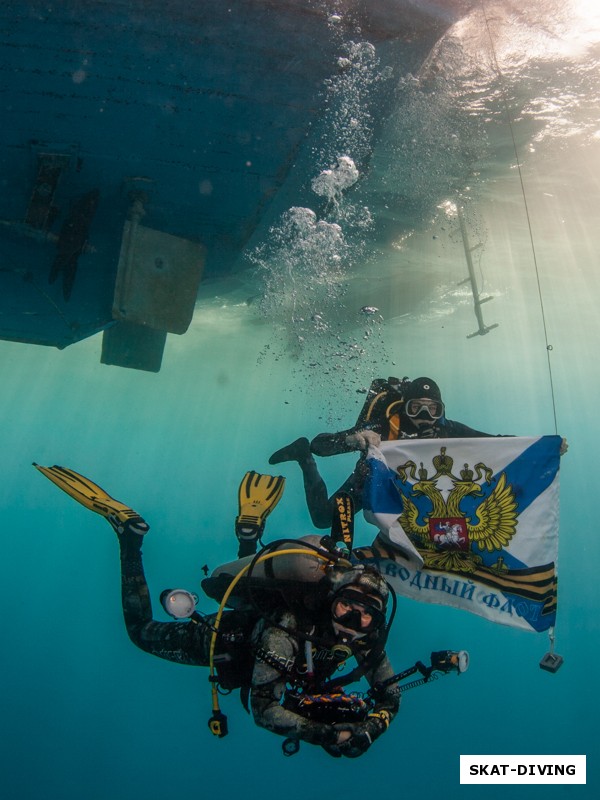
<point>423,405</point>
<point>358,601</point>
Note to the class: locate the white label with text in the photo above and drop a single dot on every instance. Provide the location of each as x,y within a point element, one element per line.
<point>522,769</point>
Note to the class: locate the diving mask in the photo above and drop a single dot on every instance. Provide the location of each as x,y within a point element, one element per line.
<point>419,406</point>
<point>353,610</point>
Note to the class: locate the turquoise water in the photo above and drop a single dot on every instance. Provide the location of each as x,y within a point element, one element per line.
<point>88,715</point>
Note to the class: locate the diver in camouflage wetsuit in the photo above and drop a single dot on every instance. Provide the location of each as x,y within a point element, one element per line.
<point>353,617</point>
<point>281,659</point>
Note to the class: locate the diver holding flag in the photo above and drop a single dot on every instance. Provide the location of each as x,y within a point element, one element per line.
<point>394,409</point>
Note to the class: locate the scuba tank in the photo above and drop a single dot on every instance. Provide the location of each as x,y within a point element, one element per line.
<point>382,407</point>
<point>278,578</point>
<point>284,569</point>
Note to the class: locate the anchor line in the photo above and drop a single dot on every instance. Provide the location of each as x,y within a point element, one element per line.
<point>503,95</point>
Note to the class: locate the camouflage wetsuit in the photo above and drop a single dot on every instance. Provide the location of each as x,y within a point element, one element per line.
<point>269,684</point>
<point>189,643</point>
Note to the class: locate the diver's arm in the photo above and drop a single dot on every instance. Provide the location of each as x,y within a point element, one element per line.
<point>456,430</point>
<point>387,701</point>
<point>357,438</point>
<point>356,738</point>
<point>268,687</point>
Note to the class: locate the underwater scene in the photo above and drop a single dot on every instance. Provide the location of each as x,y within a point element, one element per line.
<point>220,223</point>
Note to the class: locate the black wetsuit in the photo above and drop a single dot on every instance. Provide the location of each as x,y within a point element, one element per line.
<point>189,643</point>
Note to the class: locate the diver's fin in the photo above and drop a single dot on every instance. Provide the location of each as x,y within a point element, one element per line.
<point>92,496</point>
<point>258,496</point>
<point>342,523</point>
<point>299,451</point>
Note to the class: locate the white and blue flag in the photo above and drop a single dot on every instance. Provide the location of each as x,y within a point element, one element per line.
<point>470,523</point>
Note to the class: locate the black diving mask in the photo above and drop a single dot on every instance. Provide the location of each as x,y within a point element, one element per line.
<point>357,611</point>
<point>418,407</point>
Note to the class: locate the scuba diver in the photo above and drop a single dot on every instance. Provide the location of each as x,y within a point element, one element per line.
<point>394,409</point>
<point>284,639</point>
<point>282,657</point>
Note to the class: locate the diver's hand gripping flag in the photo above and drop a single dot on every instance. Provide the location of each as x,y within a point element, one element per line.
<point>470,523</point>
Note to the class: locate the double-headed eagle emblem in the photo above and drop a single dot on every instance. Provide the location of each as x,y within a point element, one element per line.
<point>445,534</point>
